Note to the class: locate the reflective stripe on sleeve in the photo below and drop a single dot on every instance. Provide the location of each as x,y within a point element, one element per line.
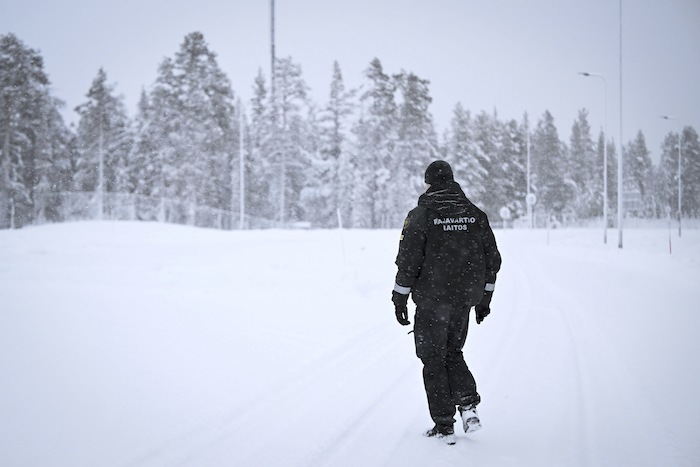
<point>401,289</point>
<point>490,287</point>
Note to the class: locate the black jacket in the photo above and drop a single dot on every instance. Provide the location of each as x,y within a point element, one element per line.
<point>447,251</point>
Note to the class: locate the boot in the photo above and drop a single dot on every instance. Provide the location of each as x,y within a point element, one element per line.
<point>445,433</point>
<point>470,418</point>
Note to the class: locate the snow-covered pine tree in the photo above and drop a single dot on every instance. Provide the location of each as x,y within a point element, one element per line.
<point>691,172</point>
<point>345,173</point>
<point>28,121</point>
<point>193,113</point>
<point>667,187</point>
<point>461,154</point>
<point>548,164</point>
<point>103,140</point>
<point>293,142</point>
<point>416,146</point>
<point>375,142</point>
<point>237,167</point>
<point>637,168</point>
<point>486,147</point>
<point>364,183</point>
<point>581,168</point>
<point>329,188</point>
<point>162,143</point>
<point>146,164</point>
<point>52,164</point>
<point>612,176</point>
<point>511,163</point>
<point>599,176</point>
<point>259,170</point>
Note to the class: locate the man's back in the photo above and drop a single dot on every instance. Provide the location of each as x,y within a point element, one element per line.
<point>448,251</point>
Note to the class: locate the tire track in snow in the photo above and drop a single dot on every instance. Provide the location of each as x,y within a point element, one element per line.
<point>246,430</point>
<point>615,414</point>
<point>512,302</point>
<point>568,357</point>
<point>347,401</point>
<point>535,371</point>
<point>364,424</point>
<point>560,307</point>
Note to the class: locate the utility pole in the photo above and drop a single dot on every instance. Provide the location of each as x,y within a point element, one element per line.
<point>605,154</point>
<point>272,51</point>
<point>241,162</point>
<point>620,205</point>
<point>528,198</point>
<point>680,136</point>
<point>241,171</point>
<point>101,164</point>
<point>282,167</point>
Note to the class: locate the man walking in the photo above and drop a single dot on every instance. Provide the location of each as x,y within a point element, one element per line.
<point>447,261</point>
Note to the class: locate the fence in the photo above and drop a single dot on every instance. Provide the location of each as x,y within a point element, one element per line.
<point>73,206</point>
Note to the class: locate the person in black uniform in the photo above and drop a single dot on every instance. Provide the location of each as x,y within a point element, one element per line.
<point>447,262</point>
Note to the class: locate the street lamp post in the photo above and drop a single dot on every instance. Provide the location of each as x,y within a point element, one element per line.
<point>605,153</point>
<point>241,167</point>
<point>529,198</point>
<point>680,133</point>
<point>620,165</point>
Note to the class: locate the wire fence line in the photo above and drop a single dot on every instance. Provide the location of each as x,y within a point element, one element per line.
<point>79,205</point>
<point>75,206</point>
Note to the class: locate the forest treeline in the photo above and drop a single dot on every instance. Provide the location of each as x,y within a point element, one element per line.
<point>193,149</point>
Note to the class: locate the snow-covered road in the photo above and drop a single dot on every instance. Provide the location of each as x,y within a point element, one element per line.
<point>139,344</point>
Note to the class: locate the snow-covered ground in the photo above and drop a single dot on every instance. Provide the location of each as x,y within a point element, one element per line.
<point>141,344</point>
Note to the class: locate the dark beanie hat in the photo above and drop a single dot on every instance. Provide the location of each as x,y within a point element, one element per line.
<point>438,171</point>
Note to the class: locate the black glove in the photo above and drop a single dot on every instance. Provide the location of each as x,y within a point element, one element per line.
<point>482,309</point>
<point>401,306</point>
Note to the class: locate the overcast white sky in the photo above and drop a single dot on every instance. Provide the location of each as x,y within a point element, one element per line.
<point>512,56</point>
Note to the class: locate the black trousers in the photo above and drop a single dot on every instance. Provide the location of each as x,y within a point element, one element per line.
<point>440,333</point>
